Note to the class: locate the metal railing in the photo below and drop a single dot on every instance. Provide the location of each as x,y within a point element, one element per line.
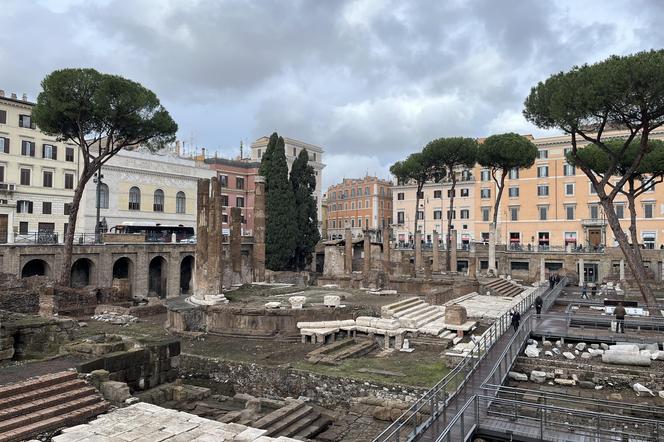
<point>36,238</point>
<point>600,327</point>
<point>424,411</point>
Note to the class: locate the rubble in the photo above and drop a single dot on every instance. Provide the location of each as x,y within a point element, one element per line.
<point>115,318</point>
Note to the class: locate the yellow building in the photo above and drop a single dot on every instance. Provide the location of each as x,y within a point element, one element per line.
<point>37,177</point>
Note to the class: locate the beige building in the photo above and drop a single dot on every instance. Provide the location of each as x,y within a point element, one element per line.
<point>358,204</point>
<point>550,205</point>
<point>37,177</point>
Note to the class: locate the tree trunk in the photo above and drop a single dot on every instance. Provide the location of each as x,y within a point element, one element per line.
<point>448,241</point>
<point>417,207</point>
<point>631,201</point>
<point>493,227</point>
<point>635,265</point>
<point>65,273</point>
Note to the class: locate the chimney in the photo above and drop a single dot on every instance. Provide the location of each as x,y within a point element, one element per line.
<point>13,95</point>
<point>2,92</point>
<point>25,97</point>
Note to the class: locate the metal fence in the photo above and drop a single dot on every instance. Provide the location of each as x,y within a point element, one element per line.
<point>590,327</point>
<point>46,237</point>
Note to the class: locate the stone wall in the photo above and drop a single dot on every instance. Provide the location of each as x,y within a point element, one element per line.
<point>275,382</point>
<point>21,295</point>
<point>27,336</point>
<point>78,303</point>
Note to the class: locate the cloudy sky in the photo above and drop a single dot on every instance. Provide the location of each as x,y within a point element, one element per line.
<point>369,80</point>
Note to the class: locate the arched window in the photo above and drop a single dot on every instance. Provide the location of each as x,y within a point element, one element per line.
<point>103,196</point>
<point>158,205</point>
<point>134,198</point>
<point>180,203</point>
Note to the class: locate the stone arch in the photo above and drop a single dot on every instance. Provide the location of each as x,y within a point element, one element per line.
<point>123,274</point>
<point>158,277</point>
<point>82,273</point>
<point>36,267</point>
<point>187,275</point>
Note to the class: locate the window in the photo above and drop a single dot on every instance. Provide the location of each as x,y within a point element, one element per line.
<point>23,206</point>
<point>486,212</point>
<point>134,198</point>
<point>4,145</point>
<point>485,193</point>
<point>592,189</point>
<point>294,152</point>
<point>569,189</point>
<point>315,156</point>
<point>3,117</point>
<point>437,193</point>
<point>25,121</point>
<point>2,174</point>
<point>420,214</point>
<point>66,209</point>
<point>567,151</point>
<point>485,175</point>
<point>239,201</point>
<point>48,178</point>
<point>514,174</point>
<point>519,265</point>
<point>420,195</point>
<point>543,212</point>
<point>543,154</point>
<point>648,239</point>
<point>400,196</point>
<point>594,211</point>
<point>223,180</point>
<point>158,201</point>
<point>515,237</point>
<point>513,192</point>
<point>181,202</point>
<point>69,154</point>
<point>570,238</point>
<point>514,214</point>
<point>453,214</point>
<point>27,148</point>
<point>465,192</point>
<point>25,177</point>
<point>239,183</point>
<point>47,208</point>
<point>451,193</point>
<point>542,190</point>
<point>400,217</point>
<point>648,209</point>
<point>569,170</point>
<point>543,238</point>
<point>648,184</point>
<point>542,171</point>
<point>259,153</point>
<point>359,222</point>
<point>103,196</point>
<point>224,200</point>
<point>366,191</point>
<point>465,214</point>
<point>224,218</point>
<point>50,151</point>
<point>23,228</point>
<point>352,192</point>
<point>352,206</point>
<point>69,180</point>
<point>569,212</point>
<point>620,211</point>
<point>352,222</point>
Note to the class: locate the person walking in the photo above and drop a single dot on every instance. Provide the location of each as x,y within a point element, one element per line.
<point>552,281</point>
<point>538,305</point>
<point>620,318</point>
<point>516,319</point>
<point>584,291</point>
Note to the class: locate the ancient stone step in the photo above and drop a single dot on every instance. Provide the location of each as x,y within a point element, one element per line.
<point>299,424</point>
<point>414,310</point>
<point>269,419</point>
<point>324,351</point>
<point>46,402</point>
<point>47,413</point>
<point>391,309</point>
<point>315,428</point>
<point>360,348</point>
<point>39,393</point>
<point>35,383</point>
<point>287,420</point>
<point>71,418</point>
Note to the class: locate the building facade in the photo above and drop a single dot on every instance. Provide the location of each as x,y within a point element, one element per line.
<point>358,204</point>
<point>38,175</point>
<point>551,204</point>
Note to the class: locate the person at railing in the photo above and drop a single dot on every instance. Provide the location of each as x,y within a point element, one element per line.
<point>516,319</point>
<point>552,281</point>
<point>620,318</point>
<point>538,305</point>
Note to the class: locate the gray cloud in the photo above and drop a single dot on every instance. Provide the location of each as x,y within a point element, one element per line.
<point>369,80</point>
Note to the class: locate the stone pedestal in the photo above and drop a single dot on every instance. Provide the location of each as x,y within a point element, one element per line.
<point>456,315</point>
<point>297,302</point>
<point>436,258</point>
<point>331,301</point>
<point>348,252</point>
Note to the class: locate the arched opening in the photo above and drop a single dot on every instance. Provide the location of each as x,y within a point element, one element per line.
<point>186,275</point>
<point>103,196</point>
<point>180,203</point>
<point>82,272</point>
<point>134,198</point>
<point>157,277</point>
<point>158,205</point>
<point>123,270</point>
<point>35,267</point>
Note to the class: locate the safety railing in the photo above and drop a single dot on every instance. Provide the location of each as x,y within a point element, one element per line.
<point>46,237</point>
<point>645,329</point>
<point>432,404</point>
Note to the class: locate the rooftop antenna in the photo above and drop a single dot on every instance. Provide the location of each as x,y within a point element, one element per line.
<point>241,149</point>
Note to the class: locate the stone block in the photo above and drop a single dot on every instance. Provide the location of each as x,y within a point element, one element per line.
<point>515,376</point>
<point>538,376</point>
<point>115,392</point>
<point>456,315</point>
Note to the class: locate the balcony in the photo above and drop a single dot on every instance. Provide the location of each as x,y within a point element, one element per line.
<point>593,222</point>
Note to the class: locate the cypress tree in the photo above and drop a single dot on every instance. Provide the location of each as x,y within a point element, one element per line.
<point>303,183</point>
<point>280,229</point>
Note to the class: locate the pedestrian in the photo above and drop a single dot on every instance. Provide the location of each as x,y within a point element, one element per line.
<point>538,305</point>
<point>594,290</point>
<point>557,280</point>
<point>584,291</point>
<point>551,281</point>
<point>516,318</point>
<point>620,318</point>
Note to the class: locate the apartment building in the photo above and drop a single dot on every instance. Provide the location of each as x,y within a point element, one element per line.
<point>38,175</point>
<point>551,204</point>
<point>358,204</point>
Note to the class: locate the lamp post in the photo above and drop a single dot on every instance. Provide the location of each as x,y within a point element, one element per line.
<point>97,180</point>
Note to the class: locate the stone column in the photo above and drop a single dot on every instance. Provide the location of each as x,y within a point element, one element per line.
<point>200,263</point>
<point>367,253</point>
<point>581,276</point>
<point>173,277</point>
<point>436,259</point>
<point>387,233</point>
<point>622,269</point>
<point>418,252</point>
<point>142,266</point>
<point>236,239</point>
<point>348,258</point>
<point>453,251</point>
<point>492,249</point>
<point>259,230</point>
<point>542,270</point>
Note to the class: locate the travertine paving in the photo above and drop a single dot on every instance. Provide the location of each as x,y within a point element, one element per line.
<point>144,422</point>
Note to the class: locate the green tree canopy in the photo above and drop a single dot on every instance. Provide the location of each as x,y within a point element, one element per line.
<point>101,114</point>
<point>303,183</point>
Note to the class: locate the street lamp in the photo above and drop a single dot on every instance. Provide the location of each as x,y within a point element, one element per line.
<point>98,181</point>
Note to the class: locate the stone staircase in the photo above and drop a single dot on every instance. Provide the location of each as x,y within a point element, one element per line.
<point>46,403</point>
<point>415,313</point>
<point>503,287</point>
<point>334,353</point>
<point>295,420</point>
